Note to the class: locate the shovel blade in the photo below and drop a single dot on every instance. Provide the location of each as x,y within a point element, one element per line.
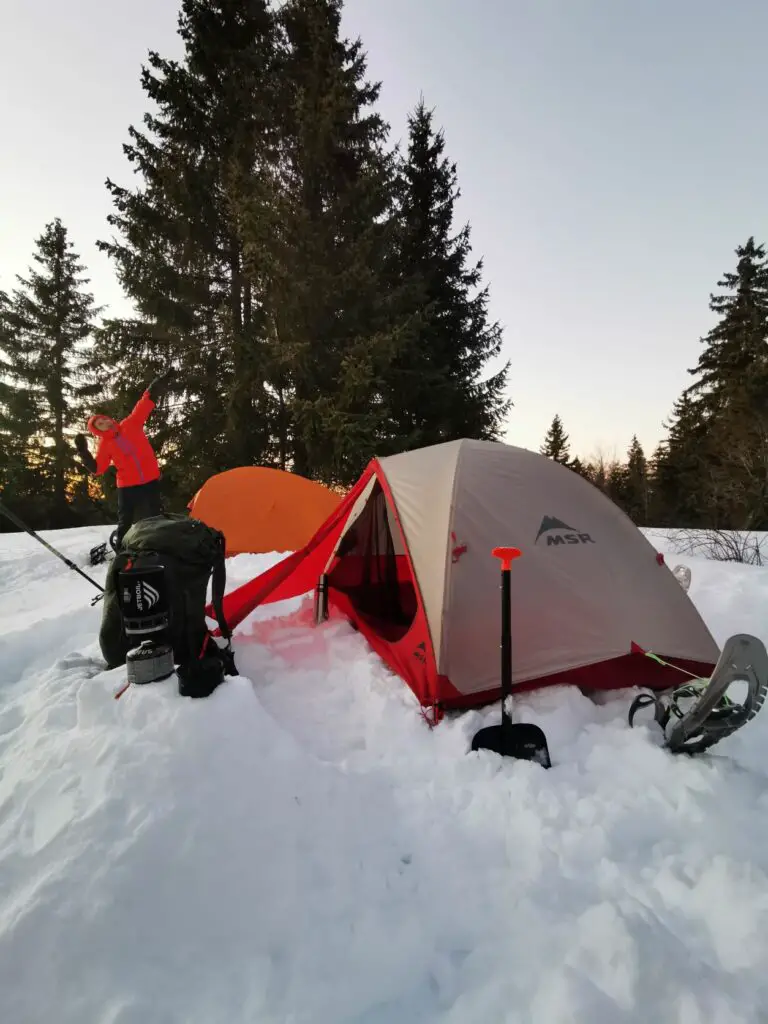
<point>522,740</point>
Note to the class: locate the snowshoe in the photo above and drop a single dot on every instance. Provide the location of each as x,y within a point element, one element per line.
<point>103,552</point>
<point>710,715</point>
<point>98,554</point>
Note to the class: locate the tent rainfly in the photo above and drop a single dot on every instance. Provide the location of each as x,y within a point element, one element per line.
<point>406,557</point>
<point>261,509</point>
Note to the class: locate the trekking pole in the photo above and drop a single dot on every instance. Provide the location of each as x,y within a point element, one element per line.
<point>71,565</point>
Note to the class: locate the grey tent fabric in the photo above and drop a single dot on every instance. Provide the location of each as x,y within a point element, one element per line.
<point>588,585</point>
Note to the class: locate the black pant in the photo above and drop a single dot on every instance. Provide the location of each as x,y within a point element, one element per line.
<point>134,503</point>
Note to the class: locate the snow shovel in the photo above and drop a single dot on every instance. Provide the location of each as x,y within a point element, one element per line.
<point>522,740</point>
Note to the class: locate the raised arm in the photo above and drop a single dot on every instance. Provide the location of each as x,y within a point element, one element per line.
<point>140,412</point>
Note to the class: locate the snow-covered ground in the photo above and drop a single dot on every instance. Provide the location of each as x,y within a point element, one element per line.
<point>300,848</point>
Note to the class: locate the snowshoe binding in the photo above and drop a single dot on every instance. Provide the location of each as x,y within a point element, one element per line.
<point>699,713</point>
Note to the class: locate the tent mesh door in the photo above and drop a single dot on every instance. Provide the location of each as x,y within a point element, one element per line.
<point>373,571</point>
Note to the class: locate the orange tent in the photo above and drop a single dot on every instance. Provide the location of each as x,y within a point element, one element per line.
<point>261,509</point>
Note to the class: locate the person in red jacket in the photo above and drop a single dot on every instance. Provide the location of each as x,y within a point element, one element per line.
<point>125,446</point>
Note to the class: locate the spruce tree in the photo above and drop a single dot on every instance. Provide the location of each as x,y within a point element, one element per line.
<point>439,389</point>
<point>556,444</point>
<point>179,255</point>
<point>729,399</point>
<point>15,476</point>
<point>46,326</point>
<point>732,370</point>
<point>636,493</point>
<point>319,239</point>
<point>616,483</point>
<point>682,496</point>
<point>658,511</point>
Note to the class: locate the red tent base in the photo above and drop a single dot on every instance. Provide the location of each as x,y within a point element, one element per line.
<point>628,671</point>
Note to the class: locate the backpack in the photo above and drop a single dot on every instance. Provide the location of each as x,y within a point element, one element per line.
<point>192,553</point>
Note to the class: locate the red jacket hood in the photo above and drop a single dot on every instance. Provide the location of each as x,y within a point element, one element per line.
<point>113,429</point>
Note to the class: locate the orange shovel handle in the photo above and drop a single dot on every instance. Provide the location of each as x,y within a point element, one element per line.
<point>507,556</point>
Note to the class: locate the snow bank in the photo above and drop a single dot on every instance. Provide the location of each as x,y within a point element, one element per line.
<point>301,848</point>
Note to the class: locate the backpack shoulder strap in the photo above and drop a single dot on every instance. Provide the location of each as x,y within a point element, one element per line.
<point>218,584</point>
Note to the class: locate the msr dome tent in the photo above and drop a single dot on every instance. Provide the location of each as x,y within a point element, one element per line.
<point>407,557</point>
<point>259,509</point>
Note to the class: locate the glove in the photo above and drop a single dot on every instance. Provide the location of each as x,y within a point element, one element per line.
<point>159,384</point>
<point>86,459</point>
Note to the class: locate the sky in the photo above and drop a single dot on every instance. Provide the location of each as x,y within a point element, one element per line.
<point>611,157</point>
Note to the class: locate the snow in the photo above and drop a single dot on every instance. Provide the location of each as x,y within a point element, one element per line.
<point>301,848</point>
